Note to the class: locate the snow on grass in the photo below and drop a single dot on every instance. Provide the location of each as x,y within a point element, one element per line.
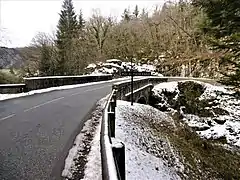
<point>93,167</point>
<point>147,156</point>
<point>225,125</point>
<point>11,96</point>
<point>91,128</point>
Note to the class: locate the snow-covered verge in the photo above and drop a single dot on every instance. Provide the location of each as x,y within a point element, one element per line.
<point>159,145</point>
<point>148,154</point>
<point>11,96</point>
<point>114,66</point>
<point>84,158</point>
<point>212,111</point>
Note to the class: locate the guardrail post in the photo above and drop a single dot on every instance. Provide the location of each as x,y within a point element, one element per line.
<point>119,154</point>
<point>113,102</point>
<point>111,119</point>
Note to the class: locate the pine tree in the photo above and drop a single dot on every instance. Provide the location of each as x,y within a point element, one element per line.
<point>144,14</point>
<point>67,30</point>
<point>136,11</point>
<point>81,21</point>
<point>45,66</point>
<point>126,15</point>
<point>223,27</point>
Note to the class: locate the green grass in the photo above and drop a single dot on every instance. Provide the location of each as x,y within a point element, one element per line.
<point>9,76</point>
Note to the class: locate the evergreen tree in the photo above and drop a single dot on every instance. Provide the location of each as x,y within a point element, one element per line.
<point>223,26</point>
<point>67,30</point>
<point>144,14</point>
<point>136,11</point>
<point>45,66</point>
<point>81,21</point>
<point>126,15</point>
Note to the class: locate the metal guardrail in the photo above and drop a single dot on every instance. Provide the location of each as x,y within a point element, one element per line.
<point>112,151</point>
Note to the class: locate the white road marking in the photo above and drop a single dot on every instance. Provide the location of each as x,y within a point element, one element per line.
<point>7,117</point>
<point>89,90</point>
<point>48,102</point>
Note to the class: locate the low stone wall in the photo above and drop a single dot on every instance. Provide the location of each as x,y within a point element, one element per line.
<point>12,88</point>
<point>53,81</point>
<point>50,81</point>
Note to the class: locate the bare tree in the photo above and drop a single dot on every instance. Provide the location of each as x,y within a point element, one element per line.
<point>99,27</point>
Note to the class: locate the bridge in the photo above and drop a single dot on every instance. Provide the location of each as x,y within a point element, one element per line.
<point>36,132</point>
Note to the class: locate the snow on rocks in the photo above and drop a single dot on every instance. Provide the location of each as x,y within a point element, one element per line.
<point>214,114</point>
<point>148,155</point>
<point>91,66</point>
<point>166,86</point>
<point>113,66</point>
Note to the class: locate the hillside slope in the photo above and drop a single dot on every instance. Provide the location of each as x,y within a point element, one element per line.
<point>10,57</point>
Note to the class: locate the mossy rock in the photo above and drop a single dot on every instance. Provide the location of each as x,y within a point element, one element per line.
<point>191,89</point>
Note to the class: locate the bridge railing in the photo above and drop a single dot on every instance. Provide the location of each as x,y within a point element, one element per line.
<point>123,88</point>
<point>53,81</point>
<point>12,88</point>
<point>34,83</point>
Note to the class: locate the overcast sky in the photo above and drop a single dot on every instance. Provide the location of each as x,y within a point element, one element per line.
<point>20,20</point>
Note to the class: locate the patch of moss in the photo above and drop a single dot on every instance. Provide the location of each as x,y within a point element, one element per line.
<point>203,158</point>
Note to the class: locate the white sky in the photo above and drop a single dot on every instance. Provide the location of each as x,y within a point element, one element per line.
<point>20,20</point>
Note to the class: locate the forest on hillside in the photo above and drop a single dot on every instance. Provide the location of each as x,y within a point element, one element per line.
<point>198,38</point>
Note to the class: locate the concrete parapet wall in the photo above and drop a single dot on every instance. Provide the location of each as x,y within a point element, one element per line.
<point>12,88</point>
<point>53,81</point>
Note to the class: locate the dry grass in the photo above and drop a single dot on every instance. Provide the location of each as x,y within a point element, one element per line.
<point>204,159</point>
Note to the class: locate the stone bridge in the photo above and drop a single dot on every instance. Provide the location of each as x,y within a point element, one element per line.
<point>142,89</point>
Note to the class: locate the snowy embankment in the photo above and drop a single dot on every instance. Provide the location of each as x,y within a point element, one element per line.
<point>148,156</point>
<point>11,96</point>
<point>84,158</point>
<point>212,111</point>
<point>114,66</point>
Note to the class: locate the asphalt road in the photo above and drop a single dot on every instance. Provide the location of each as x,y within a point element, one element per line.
<point>37,131</point>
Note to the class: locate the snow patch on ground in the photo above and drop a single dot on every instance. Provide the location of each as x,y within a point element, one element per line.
<point>11,96</point>
<point>93,165</point>
<point>222,96</point>
<point>148,156</point>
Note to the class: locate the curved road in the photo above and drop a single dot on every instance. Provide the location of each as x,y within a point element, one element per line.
<point>37,131</point>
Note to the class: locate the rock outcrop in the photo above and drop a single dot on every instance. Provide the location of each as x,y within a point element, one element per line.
<point>10,57</point>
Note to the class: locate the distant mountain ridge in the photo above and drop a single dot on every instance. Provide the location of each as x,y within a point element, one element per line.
<point>10,57</point>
